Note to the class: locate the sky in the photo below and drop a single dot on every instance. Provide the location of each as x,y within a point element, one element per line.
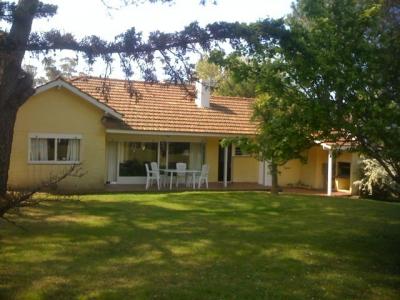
<point>88,17</point>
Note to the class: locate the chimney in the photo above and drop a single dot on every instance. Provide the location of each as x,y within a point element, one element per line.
<point>203,93</point>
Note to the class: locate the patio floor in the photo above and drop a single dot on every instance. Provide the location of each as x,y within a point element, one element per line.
<point>218,186</point>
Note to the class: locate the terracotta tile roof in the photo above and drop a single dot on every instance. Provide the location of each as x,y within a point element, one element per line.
<point>164,107</point>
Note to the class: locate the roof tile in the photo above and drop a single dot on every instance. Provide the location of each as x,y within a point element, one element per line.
<point>168,107</point>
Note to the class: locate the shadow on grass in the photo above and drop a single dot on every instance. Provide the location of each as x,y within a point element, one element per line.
<point>234,245</point>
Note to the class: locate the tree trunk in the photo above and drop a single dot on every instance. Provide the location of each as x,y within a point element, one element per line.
<point>7,120</point>
<point>15,84</point>
<point>274,174</point>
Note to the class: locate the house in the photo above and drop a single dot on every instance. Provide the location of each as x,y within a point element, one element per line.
<point>112,127</point>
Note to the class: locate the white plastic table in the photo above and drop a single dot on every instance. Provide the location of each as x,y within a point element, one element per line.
<point>172,171</point>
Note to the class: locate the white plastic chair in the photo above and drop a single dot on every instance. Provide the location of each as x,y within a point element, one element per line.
<point>180,174</point>
<point>152,176</point>
<point>156,169</point>
<point>204,175</point>
<point>154,166</point>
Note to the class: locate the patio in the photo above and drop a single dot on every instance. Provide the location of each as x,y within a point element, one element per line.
<point>219,186</point>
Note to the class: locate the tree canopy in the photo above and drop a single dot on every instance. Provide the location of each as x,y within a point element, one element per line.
<point>65,68</point>
<point>224,82</point>
<point>336,73</point>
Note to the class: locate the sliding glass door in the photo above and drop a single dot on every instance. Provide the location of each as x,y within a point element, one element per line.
<point>132,157</point>
<point>178,152</point>
<point>193,154</point>
<point>196,155</point>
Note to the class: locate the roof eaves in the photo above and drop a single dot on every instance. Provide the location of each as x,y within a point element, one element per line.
<point>176,133</point>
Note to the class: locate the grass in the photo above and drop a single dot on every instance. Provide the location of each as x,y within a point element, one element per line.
<point>215,245</point>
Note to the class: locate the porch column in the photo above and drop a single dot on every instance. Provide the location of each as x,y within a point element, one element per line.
<point>329,192</point>
<point>225,166</point>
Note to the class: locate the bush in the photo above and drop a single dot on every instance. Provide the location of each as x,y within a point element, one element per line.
<point>376,183</point>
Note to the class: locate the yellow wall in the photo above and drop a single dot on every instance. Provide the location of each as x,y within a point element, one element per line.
<point>311,173</point>
<point>289,174</point>
<point>59,111</point>
<point>312,170</point>
<point>244,169</point>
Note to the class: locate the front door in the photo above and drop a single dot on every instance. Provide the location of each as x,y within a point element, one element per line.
<point>221,152</point>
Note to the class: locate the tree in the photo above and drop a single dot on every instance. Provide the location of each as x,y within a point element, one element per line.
<point>336,64</point>
<point>278,138</point>
<point>66,69</point>
<point>224,82</point>
<point>16,85</point>
<point>354,76</point>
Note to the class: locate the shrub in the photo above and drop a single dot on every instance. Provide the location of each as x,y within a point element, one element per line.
<point>375,182</point>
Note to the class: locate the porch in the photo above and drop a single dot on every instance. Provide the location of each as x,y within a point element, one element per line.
<point>127,155</point>
<point>230,169</point>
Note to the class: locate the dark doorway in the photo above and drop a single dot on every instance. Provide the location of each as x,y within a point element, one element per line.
<point>221,163</point>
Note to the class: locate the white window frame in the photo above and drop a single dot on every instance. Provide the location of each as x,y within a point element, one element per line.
<point>55,136</point>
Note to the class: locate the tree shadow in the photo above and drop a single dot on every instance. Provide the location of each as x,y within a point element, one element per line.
<point>202,245</point>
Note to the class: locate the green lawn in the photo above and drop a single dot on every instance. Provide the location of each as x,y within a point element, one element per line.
<point>214,245</point>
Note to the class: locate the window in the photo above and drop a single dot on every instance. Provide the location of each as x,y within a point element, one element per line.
<point>192,154</point>
<point>343,170</point>
<point>196,156</point>
<point>240,152</point>
<point>133,157</point>
<point>178,152</point>
<point>54,149</point>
